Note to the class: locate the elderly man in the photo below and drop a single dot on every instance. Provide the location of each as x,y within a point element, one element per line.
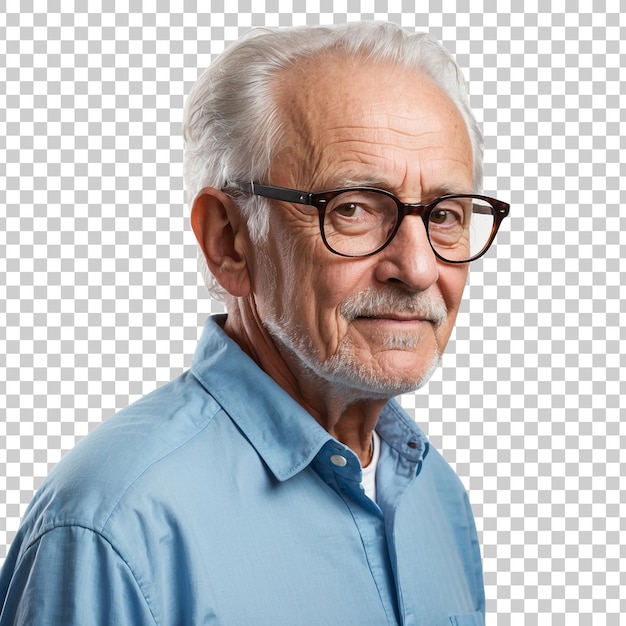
<point>333,175</point>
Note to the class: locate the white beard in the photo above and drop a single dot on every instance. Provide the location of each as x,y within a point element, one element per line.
<point>344,370</point>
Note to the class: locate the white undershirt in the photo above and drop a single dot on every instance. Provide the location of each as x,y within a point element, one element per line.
<point>369,472</point>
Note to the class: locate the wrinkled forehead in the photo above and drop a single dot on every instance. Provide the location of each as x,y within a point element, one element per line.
<point>333,108</point>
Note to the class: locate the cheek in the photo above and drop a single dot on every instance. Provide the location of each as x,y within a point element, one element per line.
<point>308,283</point>
<point>289,281</point>
<point>320,282</point>
<point>323,282</point>
<point>292,243</point>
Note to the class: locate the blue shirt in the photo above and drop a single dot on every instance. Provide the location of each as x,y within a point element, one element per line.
<point>217,499</point>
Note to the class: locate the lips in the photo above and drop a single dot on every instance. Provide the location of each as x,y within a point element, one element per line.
<point>394,317</point>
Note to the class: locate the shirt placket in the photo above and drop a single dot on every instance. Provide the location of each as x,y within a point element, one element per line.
<point>340,469</point>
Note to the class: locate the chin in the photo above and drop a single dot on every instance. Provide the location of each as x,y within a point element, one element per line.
<point>399,367</point>
<point>346,371</point>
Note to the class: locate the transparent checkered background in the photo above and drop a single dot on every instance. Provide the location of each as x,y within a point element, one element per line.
<point>100,301</point>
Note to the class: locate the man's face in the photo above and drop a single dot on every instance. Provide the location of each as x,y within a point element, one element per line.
<point>374,326</point>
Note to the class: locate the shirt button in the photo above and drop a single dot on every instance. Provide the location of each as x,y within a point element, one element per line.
<point>338,460</point>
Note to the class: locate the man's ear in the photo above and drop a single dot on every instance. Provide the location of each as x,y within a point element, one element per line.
<point>218,227</point>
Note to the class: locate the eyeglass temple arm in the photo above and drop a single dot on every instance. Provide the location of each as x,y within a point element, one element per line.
<point>482,210</point>
<point>275,193</point>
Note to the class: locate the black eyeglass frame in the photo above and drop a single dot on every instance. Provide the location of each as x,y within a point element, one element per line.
<point>320,200</point>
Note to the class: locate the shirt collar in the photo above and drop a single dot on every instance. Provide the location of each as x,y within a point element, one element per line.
<point>284,434</point>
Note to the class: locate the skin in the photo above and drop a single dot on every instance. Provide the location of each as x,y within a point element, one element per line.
<point>350,123</point>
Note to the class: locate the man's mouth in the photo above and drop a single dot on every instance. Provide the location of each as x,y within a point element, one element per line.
<point>394,317</point>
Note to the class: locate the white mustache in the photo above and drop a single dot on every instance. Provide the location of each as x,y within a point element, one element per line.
<point>388,302</point>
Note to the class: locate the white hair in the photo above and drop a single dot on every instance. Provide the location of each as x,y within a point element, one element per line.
<point>232,125</point>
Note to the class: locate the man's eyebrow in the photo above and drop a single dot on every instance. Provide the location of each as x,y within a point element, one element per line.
<point>447,189</point>
<point>340,182</point>
<point>428,194</point>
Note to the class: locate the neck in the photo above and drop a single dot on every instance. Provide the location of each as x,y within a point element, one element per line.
<point>339,410</point>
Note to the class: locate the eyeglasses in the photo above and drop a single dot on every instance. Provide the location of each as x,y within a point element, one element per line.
<point>361,221</point>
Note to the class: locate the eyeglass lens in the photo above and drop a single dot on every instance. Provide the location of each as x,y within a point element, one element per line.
<point>359,222</point>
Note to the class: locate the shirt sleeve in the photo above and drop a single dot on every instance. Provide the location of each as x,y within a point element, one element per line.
<point>73,576</point>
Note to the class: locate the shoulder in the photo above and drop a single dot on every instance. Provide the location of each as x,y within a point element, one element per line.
<point>110,518</point>
<point>141,443</point>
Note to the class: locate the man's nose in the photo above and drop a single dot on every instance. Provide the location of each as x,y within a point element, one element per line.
<point>409,258</point>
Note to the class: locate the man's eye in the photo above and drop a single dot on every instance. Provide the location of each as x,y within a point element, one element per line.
<point>442,217</point>
<point>445,217</point>
<point>349,209</point>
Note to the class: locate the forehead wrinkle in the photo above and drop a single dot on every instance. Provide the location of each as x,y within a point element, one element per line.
<point>376,153</point>
<point>381,134</point>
